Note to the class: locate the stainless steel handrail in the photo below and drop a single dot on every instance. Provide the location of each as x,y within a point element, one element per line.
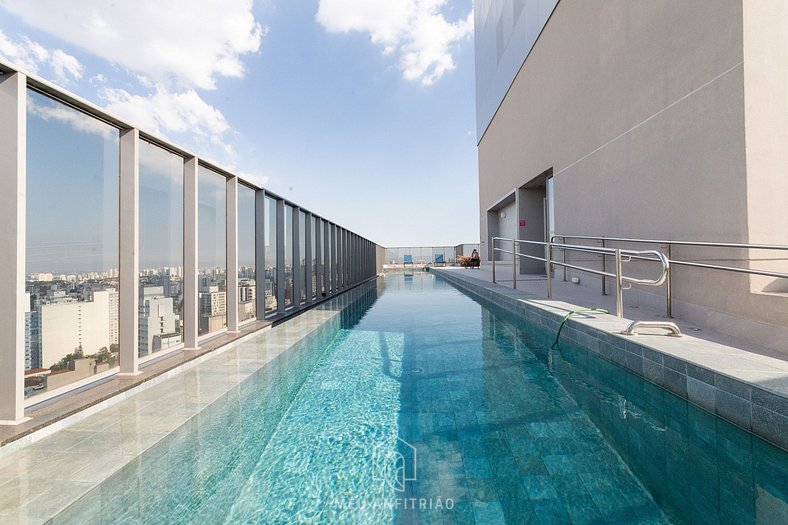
<point>679,243</point>
<point>620,255</point>
<point>670,326</point>
<point>674,262</point>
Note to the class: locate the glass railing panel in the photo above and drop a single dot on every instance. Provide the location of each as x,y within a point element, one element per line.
<point>212,251</point>
<point>247,270</point>
<point>287,232</point>
<point>161,250</point>
<point>270,255</point>
<point>72,251</point>
<point>315,255</point>
<point>302,255</point>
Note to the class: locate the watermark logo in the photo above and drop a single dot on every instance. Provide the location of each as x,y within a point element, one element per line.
<point>395,467</point>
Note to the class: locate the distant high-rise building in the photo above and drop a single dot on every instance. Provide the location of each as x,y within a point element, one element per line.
<point>158,324</point>
<point>114,317</point>
<point>28,334</point>
<point>247,292</point>
<point>213,309</point>
<point>67,324</point>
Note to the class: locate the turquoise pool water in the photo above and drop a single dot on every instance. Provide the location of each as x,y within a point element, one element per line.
<point>421,405</point>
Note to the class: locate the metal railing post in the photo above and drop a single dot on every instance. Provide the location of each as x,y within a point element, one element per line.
<point>514,264</point>
<point>563,256</point>
<point>548,261</point>
<point>619,286</point>
<point>604,265</point>
<point>668,287</point>
<point>493,258</point>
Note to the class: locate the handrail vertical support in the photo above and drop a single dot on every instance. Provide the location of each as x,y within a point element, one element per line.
<point>668,287</point>
<point>563,257</point>
<point>619,285</point>
<point>493,258</point>
<point>548,261</point>
<point>604,266</point>
<point>514,264</point>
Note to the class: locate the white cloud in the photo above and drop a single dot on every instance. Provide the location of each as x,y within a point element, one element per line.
<point>65,65</point>
<point>415,30</point>
<point>30,55</point>
<point>165,111</point>
<point>184,113</point>
<point>169,52</point>
<point>189,42</point>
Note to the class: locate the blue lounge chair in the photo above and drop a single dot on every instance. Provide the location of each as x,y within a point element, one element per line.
<point>407,259</point>
<point>439,259</point>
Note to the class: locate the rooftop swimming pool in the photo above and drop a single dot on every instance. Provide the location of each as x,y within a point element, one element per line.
<point>419,404</point>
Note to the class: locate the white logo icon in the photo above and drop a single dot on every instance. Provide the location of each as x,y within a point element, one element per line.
<point>395,467</point>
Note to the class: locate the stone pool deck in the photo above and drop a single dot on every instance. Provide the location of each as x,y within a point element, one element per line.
<point>45,471</point>
<point>741,383</point>
<point>95,396</point>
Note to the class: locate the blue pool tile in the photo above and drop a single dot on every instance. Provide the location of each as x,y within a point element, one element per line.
<point>539,487</point>
<point>734,408</point>
<point>570,487</point>
<point>488,512</point>
<point>582,510</point>
<point>482,489</point>
<point>531,464</point>
<point>559,465</point>
<point>461,513</point>
<point>676,382</point>
<point>477,467</point>
<point>473,448</point>
<point>550,512</point>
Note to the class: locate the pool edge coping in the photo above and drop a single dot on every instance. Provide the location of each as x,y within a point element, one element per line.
<point>756,408</point>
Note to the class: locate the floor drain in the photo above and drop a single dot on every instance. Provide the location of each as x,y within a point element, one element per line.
<point>416,370</point>
<point>695,329</point>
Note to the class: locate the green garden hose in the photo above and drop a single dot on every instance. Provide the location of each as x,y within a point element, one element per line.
<point>570,314</point>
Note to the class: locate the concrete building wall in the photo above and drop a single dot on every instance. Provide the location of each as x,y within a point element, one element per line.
<point>639,109</point>
<point>507,228</point>
<point>505,32</point>
<point>766,132</point>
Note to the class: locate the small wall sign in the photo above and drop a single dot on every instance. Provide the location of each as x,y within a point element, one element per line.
<point>522,223</point>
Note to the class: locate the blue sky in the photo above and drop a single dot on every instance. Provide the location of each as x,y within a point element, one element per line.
<point>361,110</point>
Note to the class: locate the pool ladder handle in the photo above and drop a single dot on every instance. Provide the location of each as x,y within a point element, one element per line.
<point>674,330</point>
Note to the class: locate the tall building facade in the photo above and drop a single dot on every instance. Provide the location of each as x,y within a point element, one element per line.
<point>67,324</point>
<point>247,296</point>
<point>159,326</point>
<point>651,120</point>
<point>213,309</point>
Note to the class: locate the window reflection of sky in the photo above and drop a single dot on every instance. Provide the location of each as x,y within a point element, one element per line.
<point>246,198</point>
<point>212,222</point>
<point>72,189</point>
<point>161,207</point>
